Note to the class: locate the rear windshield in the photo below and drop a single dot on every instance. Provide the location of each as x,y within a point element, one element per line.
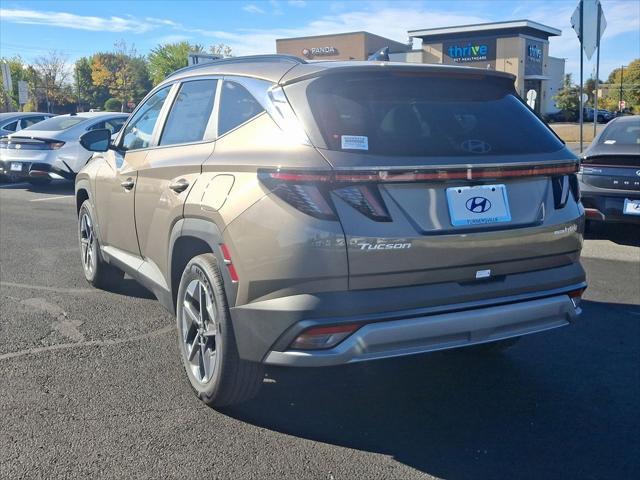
<point>413,114</point>
<point>621,133</point>
<point>58,123</point>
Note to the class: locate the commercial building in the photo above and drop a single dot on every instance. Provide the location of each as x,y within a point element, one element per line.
<point>520,47</point>
<point>341,46</point>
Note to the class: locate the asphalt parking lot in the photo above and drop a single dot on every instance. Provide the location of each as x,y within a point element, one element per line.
<point>92,385</point>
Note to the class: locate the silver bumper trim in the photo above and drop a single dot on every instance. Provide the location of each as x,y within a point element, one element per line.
<point>437,332</point>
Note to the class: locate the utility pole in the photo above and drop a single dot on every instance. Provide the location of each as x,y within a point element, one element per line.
<point>595,97</point>
<point>621,77</point>
<point>581,117</point>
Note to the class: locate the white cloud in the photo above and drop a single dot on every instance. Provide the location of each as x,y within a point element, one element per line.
<point>78,22</point>
<point>251,8</point>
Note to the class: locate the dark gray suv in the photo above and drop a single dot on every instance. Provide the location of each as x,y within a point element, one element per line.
<point>315,214</point>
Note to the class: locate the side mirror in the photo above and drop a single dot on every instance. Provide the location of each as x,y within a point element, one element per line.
<point>96,140</point>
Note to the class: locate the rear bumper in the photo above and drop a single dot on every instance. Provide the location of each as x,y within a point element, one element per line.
<point>437,332</point>
<point>34,169</point>
<point>604,204</point>
<point>265,328</point>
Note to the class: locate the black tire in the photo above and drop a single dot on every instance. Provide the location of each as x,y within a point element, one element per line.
<point>493,347</point>
<point>96,271</point>
<point>39,182</point>
<point>231,380</point>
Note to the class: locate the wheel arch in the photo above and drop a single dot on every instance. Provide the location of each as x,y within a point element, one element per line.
<point>191,237</point>
<point>82,194</point>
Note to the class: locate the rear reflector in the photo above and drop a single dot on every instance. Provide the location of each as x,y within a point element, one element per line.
<point>226,256</point>
<point>323,337</point>
<point>593,214</point>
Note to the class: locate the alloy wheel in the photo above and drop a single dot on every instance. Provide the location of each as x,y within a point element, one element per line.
<point>199,330</point>
<point>87,243</point>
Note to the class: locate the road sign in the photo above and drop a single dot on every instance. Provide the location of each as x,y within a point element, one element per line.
<point>622,105</point>
<point>23,92</point>
<point>131,105</point>
<point>588,32</point>
<point>6,77</point>
<point>585,98</point>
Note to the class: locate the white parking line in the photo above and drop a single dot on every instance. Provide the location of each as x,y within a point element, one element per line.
<point>44,199</point>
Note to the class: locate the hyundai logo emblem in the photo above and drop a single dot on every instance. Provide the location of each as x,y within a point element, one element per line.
<point>478,204</point>
<point>638,173</point>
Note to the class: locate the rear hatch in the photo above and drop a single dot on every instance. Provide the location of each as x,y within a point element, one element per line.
<point>439,176</point>
<point>612,163</point>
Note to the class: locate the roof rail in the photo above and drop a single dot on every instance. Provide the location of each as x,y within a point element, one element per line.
<point>248,58</point>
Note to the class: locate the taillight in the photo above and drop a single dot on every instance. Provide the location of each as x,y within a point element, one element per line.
<point>323,337</point>
<point>367,200</point>
<point>305,192</point>
<point>28,144</point>
<point>310,192</point>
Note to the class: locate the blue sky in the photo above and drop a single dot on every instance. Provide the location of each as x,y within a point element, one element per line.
<point>78,28</point>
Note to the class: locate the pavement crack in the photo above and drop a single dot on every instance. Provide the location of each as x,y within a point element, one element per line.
<point>87,343</point>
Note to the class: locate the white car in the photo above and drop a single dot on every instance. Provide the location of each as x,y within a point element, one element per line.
<point>50,149</point>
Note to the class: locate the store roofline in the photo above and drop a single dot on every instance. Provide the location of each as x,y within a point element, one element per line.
<point>480,27</point>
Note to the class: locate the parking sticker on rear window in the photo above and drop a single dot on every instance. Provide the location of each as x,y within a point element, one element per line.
<point>355,142</point>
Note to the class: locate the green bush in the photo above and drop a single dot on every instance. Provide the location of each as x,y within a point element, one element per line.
<point>112,105</point>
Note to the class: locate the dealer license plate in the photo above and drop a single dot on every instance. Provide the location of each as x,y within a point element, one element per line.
<point>484,204</point>
<point>16,167</point>
<point>631,207</point>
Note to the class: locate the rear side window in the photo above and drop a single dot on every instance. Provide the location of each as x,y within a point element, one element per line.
<point>60,123</point>
<point>413,114</point>
<point>139,131</point>
<point>190,113</point>
<point>11,126</point>
<point>114,125</point>
<point>237,106</point>
<point>27,122</point>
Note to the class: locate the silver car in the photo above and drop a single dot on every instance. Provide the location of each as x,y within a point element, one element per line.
<point>12,122</point>
<point>50,149</point>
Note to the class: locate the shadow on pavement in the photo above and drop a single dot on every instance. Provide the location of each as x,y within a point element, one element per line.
<point>551,407</point>
<point>620,233</point>
<point>59,187</point>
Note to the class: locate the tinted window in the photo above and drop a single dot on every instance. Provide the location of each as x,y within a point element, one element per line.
<point>139,131</point>
<point>236,107</point>
<point>414,114</point>
<point>621,133</point>
<point>190,113</point>
<point>27,122</point>
<point>11,126</point>
<point>61,122</point>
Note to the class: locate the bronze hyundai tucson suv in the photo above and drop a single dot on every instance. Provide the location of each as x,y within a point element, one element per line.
<point>316,214</point>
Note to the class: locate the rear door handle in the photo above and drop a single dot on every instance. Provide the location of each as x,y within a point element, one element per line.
<point>179,186</point>
<point>127,184</point>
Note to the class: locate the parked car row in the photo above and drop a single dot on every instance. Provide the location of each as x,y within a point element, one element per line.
<point>51,149</point>
<point>604,116</point>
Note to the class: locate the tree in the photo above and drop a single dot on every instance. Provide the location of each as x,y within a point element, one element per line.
<point>165,59</point>
<point>112,105</point>
<point>53,73</point>
<point>590,87</point>
<point>630,86</point>
<point>89,95</point>
<point>122,72</point>
<point>567,98</point>
<point>221,49</point>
